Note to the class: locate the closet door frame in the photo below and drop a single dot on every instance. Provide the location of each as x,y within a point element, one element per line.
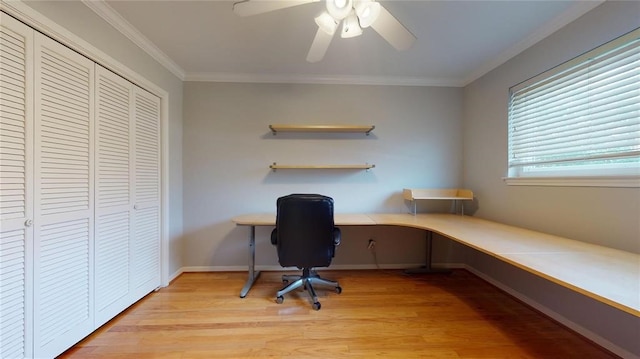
<point>37,21</point>
<point>25,222</point>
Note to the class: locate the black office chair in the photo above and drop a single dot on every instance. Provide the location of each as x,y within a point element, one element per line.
<point>306,238</point>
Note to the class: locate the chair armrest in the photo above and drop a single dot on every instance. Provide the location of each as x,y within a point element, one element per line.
<point>274,236</point>
<point>337,236</point>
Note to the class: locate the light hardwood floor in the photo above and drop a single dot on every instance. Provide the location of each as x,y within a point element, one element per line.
<point>380,314</point>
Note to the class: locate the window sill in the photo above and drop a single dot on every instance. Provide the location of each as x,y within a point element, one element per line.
<point>621,181</point>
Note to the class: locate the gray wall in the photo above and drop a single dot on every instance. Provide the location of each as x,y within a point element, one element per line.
<point>425,137</point>
<point>84,23</point>
<point>606,216</point>
<point>228,149</point>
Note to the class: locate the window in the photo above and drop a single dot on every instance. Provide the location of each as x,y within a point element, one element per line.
<point>581,119</point>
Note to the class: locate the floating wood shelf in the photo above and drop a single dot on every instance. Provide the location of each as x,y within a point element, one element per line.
<point>276,166</point>
<point>322,128</point>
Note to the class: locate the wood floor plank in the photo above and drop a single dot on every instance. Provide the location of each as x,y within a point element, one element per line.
<point>380,314</point>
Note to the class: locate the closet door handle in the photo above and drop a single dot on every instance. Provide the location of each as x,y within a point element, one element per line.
<point>28,223</point>
<point>135,206</point>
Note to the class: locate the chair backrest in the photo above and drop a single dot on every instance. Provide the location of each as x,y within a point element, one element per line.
<point>305,230</point>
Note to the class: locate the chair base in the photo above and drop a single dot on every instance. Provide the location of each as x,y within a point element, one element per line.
<point>308,278</point>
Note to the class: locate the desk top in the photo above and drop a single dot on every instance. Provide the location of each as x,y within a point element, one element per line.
<point>263,219</point>
<point>608,275</point>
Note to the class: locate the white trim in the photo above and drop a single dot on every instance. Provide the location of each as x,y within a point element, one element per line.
<point>523,298</point>
<point>554,315</point>
<point>626,181</point>
<point>528,301</point>
<point>575,11</point>
<point>41,23</point>
<point>278,268</point>
<point>321,79</point>
<point>111,16</point>
<point>175,275</point>
<point>394,266</point>
<point>164,190</point>
<point>106,12</point>
<point>34,19</point>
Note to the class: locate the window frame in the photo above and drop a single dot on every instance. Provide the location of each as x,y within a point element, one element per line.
<point>580,175</point>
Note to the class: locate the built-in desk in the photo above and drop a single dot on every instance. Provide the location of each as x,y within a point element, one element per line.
<point>253,220</point>
<point>608,275</point>
<point>270,220</point>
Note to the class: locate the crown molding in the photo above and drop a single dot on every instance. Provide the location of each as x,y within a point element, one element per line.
<point>106,12</point>
<point>23,12</point>
<point>321,79</point>
<point>571,14</point>
<point>26,14</point>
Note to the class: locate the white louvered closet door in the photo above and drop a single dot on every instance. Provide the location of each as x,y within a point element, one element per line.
<point>113,194</point>
<point>63,222</point>
<point>146,225</point>
<point>16,181</point>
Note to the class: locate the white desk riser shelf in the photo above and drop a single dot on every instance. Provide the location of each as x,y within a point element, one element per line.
<point>454,194</point>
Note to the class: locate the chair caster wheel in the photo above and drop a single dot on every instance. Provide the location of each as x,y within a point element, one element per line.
<point>316,306</point>
<point>338,290</point>
<point>279,299</point>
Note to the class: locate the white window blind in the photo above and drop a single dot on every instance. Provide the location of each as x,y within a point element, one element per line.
<point>581,118</point>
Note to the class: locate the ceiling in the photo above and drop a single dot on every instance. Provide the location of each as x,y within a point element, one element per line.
<point>457,41</point>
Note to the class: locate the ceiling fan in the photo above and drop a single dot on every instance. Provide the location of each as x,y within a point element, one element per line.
<point>355,15</point>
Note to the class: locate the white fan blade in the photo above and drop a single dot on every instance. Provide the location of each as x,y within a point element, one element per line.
<point>392,30</point>
<point>254,7</point>
<point>319,46</point>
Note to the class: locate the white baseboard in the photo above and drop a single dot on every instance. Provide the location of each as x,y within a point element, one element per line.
<point>556,316</point>
<point>532,303</point>
<point>175,275</point>
<point>333,267</point>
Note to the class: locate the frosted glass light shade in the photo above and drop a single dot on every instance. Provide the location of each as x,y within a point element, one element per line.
<point>339,9</point>
<point>367,11</point>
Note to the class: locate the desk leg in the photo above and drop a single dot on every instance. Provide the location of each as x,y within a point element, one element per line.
<point>427,269</point>
<point>253,274</point>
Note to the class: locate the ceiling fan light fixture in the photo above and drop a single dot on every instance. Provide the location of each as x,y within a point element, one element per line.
<point>351,27</point>
<point>339,9</point>
<point>367,11</point>
<point>327,23</point>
